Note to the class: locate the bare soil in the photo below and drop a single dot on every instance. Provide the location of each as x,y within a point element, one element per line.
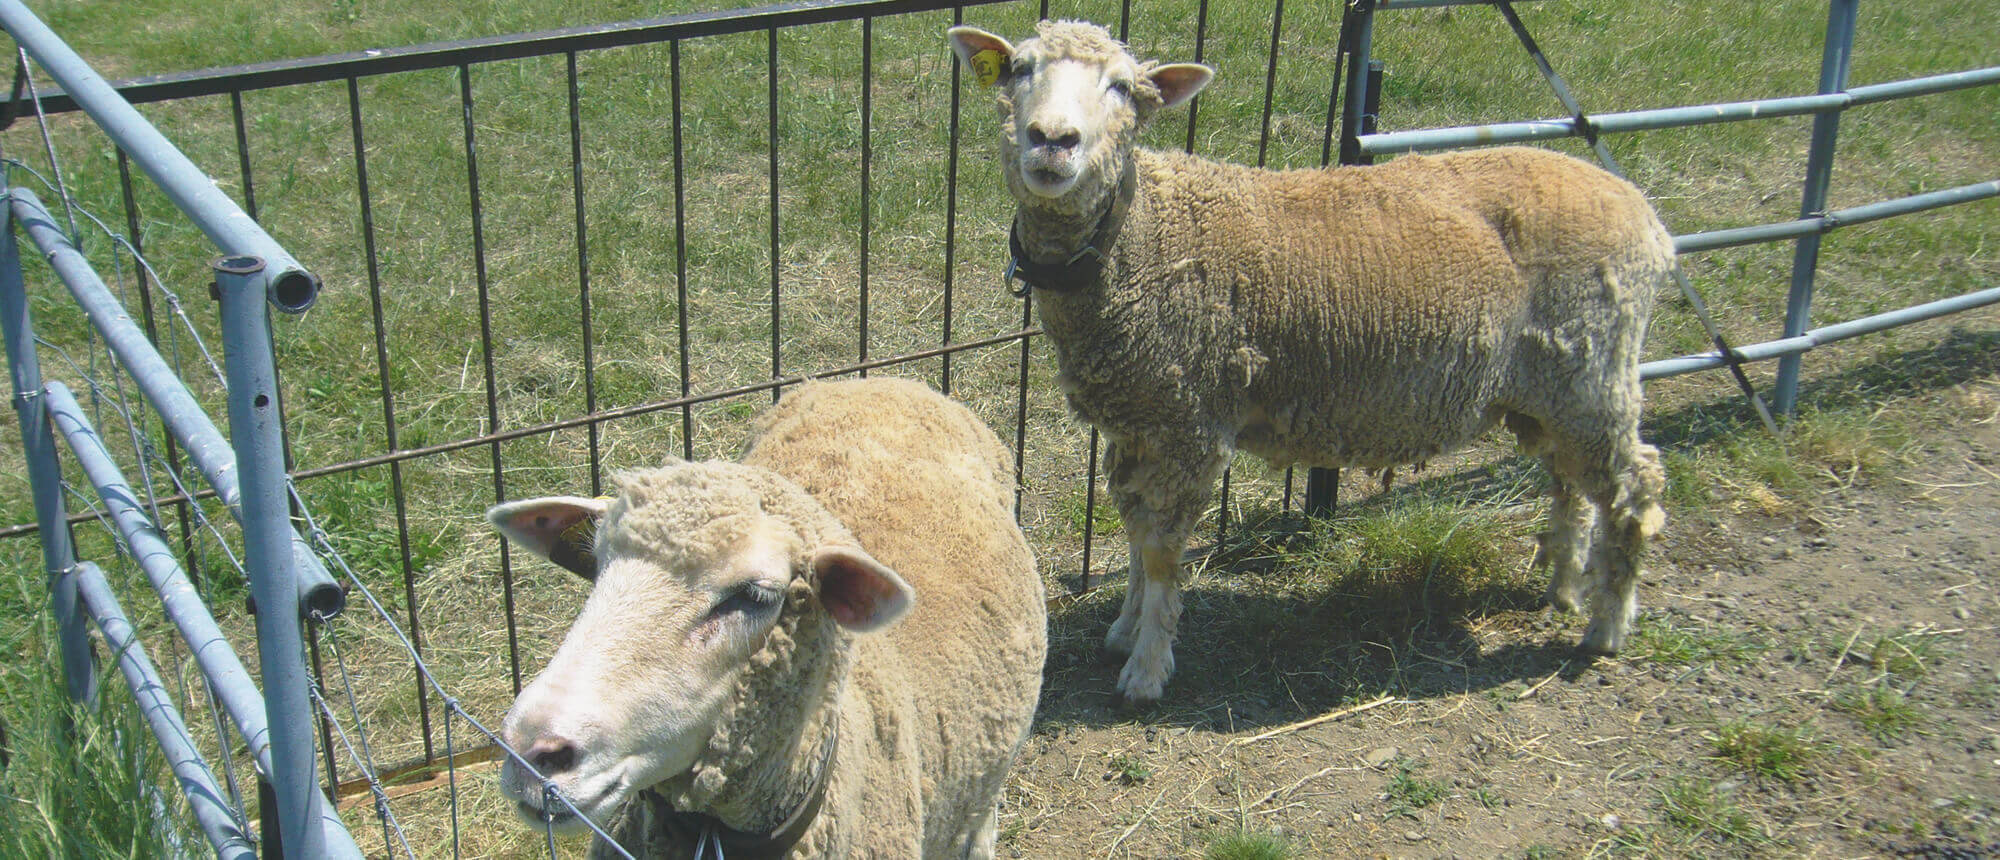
<point>1858,625</point>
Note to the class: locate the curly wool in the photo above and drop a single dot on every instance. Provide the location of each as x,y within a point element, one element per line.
<point>1361,316</point>
<point>931,711</point>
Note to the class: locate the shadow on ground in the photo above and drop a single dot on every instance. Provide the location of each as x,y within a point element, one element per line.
<point>1266,641</point>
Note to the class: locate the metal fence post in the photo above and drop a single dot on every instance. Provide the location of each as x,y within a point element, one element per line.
<point>255,433</point>
<point>38,447</point>
<point>1358,107</point>
<point>1834,63</point>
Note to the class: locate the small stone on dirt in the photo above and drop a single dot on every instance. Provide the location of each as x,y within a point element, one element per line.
<point>1610,821</point>
<point>1380,756</point>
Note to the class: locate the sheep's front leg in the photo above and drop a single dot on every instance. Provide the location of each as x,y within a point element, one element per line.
<point>1160,497</point>
<point>1118,640</point>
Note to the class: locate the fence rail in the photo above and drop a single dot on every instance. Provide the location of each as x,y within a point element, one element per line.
<point>248,479</point>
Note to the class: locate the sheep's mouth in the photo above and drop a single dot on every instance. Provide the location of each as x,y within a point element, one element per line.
<point>1048,181</point>
<point>557,818</point>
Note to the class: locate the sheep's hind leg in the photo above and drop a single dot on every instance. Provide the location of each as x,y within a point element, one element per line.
<point>1631,515</point>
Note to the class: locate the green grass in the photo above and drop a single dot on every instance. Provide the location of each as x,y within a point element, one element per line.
<point>1128,769</point>
<point>79,781</point>
<point>1406,792</point>
<point>1248,845</point>
<point>1365,575</point>
<point>1883,712</point>
<point>1693,808</point>
<point>1780,753</point>
<point>1657,640</point>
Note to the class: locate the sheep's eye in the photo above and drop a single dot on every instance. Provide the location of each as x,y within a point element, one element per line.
<point>1121,89</point>
<point>749,599</point>
<point>1020,68</point>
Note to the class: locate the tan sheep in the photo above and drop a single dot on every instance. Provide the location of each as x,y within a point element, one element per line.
<point>1367,316</point>
<point>831,648</point>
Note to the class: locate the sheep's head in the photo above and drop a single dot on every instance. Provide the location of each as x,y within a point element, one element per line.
<point>703,573</point>
<point>1072,103</point>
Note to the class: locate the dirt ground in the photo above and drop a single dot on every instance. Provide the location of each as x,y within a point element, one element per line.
<point>1823,682</point>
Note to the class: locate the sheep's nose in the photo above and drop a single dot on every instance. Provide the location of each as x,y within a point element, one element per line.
<point>551,755</point>
<point>1062,138</point>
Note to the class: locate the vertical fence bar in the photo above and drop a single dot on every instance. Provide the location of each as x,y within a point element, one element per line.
<point>680,249</point>
<point>243,152</point>
<point>583,276</point>
<point>771,67</point>
<point>1270,81</point>
<point>1835,60</point>
<point>1021,407</point>
<point>1200,43</point>
<point>1357,33</point>
<point>38,447</point>
<point>365,195</point>
<point>950,214</point>
<point>867,115</point>
<point>255,433</point>
<point>486,360</point>
<point>1089,511</point>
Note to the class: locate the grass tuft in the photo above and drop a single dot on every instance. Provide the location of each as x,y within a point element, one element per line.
<point>1128,769</point>
<point>1407,792</point>
<point>1883,712</point>
<point>1693,807</point>
<point>1248,845</point>
<point>1772,752</point>
<point>1657,640</point>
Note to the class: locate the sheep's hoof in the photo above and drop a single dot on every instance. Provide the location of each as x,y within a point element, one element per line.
<point>1565,599</point>
<point>1130,705</point>
<point>1602,639</point>
<point>1135,690</point>
<point>1115,650</point>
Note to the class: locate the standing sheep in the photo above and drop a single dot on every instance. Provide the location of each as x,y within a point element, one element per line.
<point>831,648</point>
<point>1333,317</point>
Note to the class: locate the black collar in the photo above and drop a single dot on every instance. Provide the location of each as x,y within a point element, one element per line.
<point>714,840</point>
<point>1087,265</point>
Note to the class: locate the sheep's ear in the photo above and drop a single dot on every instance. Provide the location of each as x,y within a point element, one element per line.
<point>562,529</point>
<point>984,54</point>
<point>862,594</point>
<point>1179,82</point>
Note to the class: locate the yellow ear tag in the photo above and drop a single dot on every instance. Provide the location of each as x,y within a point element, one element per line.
<point>986,67</point>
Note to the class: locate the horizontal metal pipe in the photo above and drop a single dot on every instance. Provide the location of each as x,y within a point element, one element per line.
<point>445,55</point>
<point>233,684</point>
<point>1836,219</point>
<point>229,681</point>
<point>289,286</point>
<point>1676,117</point>
<point>212,811</point>
<point>184,417</point>
<point>1666,367</point>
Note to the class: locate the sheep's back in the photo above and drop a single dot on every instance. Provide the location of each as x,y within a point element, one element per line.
<point>1400,296</point>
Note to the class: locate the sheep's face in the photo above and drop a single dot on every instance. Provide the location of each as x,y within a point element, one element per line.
<point>696,566</point>
<point>1072,101</point>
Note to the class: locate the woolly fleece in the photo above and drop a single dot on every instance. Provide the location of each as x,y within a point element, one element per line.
<point>1355,316</point>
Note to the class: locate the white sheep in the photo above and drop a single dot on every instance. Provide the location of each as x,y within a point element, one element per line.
<point>831,648</point>
<point>1360,316</point>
